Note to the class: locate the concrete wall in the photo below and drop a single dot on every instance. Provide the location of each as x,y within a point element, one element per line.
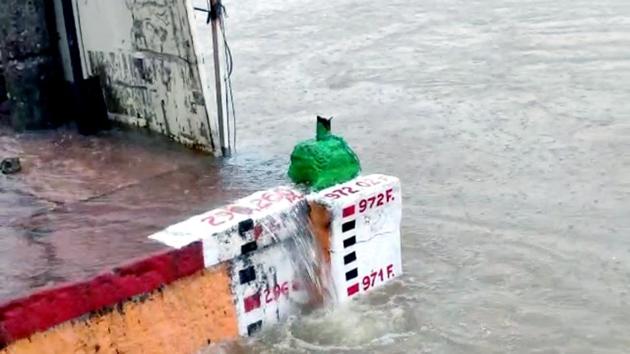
<point>29,58</point>
<point>144,51</point>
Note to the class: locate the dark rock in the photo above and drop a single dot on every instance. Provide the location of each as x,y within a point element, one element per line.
<point>10,165</point>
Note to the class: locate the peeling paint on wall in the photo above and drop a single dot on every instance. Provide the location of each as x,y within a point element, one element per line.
<point>144,53</point>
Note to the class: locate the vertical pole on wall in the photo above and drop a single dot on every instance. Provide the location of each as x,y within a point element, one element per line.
<point>215,15</point>
<point>73,40</point>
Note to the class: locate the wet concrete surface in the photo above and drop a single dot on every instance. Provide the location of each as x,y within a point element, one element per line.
<point>83,205</point>
<point>507,121</point>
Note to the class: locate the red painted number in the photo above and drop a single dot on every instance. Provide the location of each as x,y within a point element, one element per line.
<point>380,198</point>
<point>222,216</point>
<point>349,190</point>
<point>365,183</point>
<point>290,195</point>
<point>261,204</point>
<point>362,206</point>
<point>368,182</point>
<point>274,293</point>
<point>390,195</point>
<point>377,277</point>
<point>341,192</point>
<point>366,282</point>
<point>272,197</point>
<point>218,218</point>
<point>237,209</point>
<point>371,182</point>
<point>376,200</point>
<point>360,184</point>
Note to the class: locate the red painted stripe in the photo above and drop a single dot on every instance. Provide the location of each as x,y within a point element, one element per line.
<point>348,211</point>
<point>258,231</point>
<point>353,289</point>
<point>252,302</point>
<point>43,309</point>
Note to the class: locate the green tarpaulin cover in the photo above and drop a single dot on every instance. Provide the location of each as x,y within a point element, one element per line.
<point>324,161</point>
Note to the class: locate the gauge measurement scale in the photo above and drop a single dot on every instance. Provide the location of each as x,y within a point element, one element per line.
<point>365,233</point>
<point>266,289</point>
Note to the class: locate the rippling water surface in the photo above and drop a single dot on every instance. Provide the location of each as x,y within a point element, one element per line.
<point>509,124</point>
<point>507,121</point>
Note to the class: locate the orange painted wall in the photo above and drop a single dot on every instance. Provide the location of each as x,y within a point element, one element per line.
<point>182,317</point>
<point>320,220</point>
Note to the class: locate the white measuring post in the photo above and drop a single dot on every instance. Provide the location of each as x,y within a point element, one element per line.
<point>365,245</point>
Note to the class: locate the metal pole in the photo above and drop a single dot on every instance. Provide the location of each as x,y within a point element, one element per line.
<point>73,40</point>
<point>215,15</point>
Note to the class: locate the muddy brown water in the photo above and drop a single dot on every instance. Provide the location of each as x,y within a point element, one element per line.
<point>509,125</point>
<point>507,121</point>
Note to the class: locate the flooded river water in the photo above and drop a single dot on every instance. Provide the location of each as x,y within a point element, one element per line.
<point>507,121</point>
<point>509,124</point>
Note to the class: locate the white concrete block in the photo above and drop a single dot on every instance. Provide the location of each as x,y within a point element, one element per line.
<point>267,288</point>
<point>244,226</point>
<point>365,233</point>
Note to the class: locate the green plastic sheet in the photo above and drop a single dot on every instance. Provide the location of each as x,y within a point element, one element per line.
<point>324,161</point>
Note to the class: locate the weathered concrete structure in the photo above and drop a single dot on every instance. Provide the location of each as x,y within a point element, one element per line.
<point>154,60</point>
<point>148,66</point>
<point>155,63</point>
<point>227,272</point>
